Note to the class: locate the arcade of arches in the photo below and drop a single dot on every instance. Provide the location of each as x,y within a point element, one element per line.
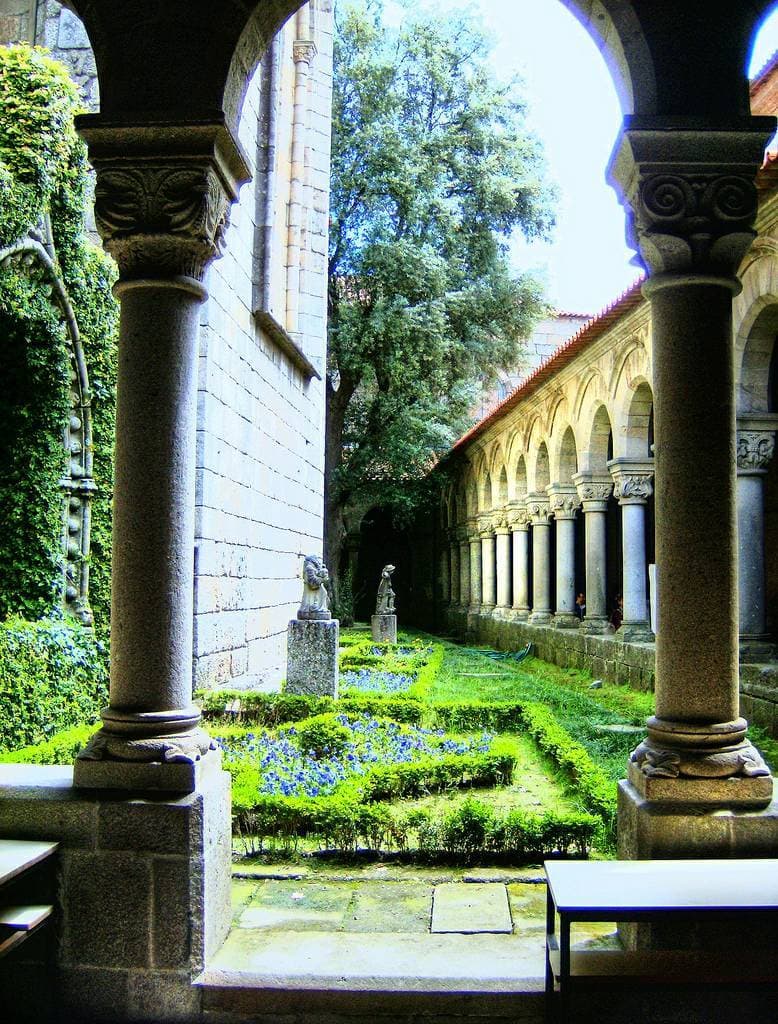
<point>551,495</point>
<point>144,829</point>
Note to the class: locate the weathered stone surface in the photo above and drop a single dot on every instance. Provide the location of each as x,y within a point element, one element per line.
<point>384,628</point>
<point>162,995</point>
<point>312,661</point>
<point>470,909</point>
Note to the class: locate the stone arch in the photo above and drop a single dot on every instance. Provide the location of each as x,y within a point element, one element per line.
<point>566,458</point>
<point>755,315</point>
<point>485,503</point>
<point>77,481</point>
<point>638,426</point>
<point>501,497</point>
<point>542,475</point>
<point>600,440</point>
<point>520,478</point>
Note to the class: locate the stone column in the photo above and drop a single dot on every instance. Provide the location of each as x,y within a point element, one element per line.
<point>594,490</point>
<point>539,511</point>
<point>564,504</point>
<point>755,449</point>
<point>163,197</point>
<point>453,540</point>
<point>519,522</point>
<point>488,578</point>
<point>632,486</point>
<point>693,199</point>
<point>444,574</point>
<point>476,585</point>
<point>464,567</point>
<point>503,548</point>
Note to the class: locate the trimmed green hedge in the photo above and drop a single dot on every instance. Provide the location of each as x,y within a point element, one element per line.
<point>52,675</point>
<point>272,709</point>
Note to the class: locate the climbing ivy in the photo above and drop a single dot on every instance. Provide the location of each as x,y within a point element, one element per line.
<point>43,171</point>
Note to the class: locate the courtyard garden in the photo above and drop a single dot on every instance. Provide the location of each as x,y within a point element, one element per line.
<point>432,753</point>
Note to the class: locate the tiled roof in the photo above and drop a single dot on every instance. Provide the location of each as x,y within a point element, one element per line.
<point>595,328</point>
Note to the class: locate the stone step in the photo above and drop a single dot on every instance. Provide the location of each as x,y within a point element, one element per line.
<point>272,972</point>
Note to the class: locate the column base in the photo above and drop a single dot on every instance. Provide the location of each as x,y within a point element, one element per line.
<point>637,632</point>
<point>487,610</point>
<point>565,620</point>
<point>539,618</point>
<point>738,791</point>
<point>172,764</point>
<point>757,650</point>
<point>503,611</point>
<point>595,626</point>
<point>520,614</point>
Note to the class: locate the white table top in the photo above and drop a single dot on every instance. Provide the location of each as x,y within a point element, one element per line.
<point>579,887</point>
<point>16,855</point>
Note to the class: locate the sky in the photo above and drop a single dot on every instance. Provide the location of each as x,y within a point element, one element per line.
<point>574,109</point>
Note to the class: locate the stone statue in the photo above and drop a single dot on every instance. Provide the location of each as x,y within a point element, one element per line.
<point>314,603</point>
<point>385,602</point>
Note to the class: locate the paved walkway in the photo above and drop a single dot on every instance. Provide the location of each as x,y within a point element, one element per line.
<point>389,927</point>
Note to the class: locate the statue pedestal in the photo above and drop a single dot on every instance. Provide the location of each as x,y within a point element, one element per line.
<point>384,628</point>
<point>312,657</point>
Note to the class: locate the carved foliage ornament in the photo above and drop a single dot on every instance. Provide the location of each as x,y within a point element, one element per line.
<point>741,759</point>
<point>161,218</point>
<point>564,505</point>
<point>593,490</point>
<point>635,486</point>
<point>755,448</point>
<point>538,511</point>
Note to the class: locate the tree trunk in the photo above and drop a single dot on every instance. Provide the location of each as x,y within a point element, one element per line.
<point>334,525</point>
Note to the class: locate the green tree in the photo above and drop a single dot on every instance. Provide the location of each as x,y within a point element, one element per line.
<point>432,169</point>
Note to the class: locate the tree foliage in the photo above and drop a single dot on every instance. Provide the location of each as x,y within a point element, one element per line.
<point>432,169</point>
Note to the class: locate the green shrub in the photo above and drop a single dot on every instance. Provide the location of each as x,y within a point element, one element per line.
<point>321,735</point>
<point>60,749</point>
<point>52,675</point>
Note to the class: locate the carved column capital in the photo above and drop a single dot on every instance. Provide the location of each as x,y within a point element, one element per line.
<point>163,193</point>
<point>518,518</point>
<point>486,525</point>
<point>632,480</point>
<point>755,450</point>
<point>304,50</point>
<point>691,191</point>
<point>538,509</point>
<point>500,521</point>
<point>593,489</point>
<point>563,501</point>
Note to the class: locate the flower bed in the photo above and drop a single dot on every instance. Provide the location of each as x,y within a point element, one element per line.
<point>384,668</point>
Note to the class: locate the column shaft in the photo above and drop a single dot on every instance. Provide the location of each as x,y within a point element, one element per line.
<point>541,569</point>
<point>444,575</point>
<point>455,571</point>
<point>464,574</point>
<point>503,570</point>
<point>596,563</point>
<point>697,649</point>
<point>521,571</point>
<point>153,524</point>
<point>488,581</point>
<point>633,543</point>
<point>565,573</point>
<point>475,573</point>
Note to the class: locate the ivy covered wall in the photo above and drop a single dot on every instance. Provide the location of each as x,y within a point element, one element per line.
<point>43,176</point>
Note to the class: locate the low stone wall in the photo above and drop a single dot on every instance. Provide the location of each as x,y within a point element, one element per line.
<point>609,658</point>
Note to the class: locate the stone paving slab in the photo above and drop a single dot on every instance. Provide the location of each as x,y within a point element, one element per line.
<point>386,962</point>
<point>471,909</point>
<point>389,906</point>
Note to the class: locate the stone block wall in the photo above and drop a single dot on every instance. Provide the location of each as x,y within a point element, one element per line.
<point>260,454</point>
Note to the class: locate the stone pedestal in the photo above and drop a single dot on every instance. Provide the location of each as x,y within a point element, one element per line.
<point>384,628</point>
<point>312,657</point>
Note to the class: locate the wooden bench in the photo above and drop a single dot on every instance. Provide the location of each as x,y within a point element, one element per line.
<point>26,877</point>
<point>655,891</point>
